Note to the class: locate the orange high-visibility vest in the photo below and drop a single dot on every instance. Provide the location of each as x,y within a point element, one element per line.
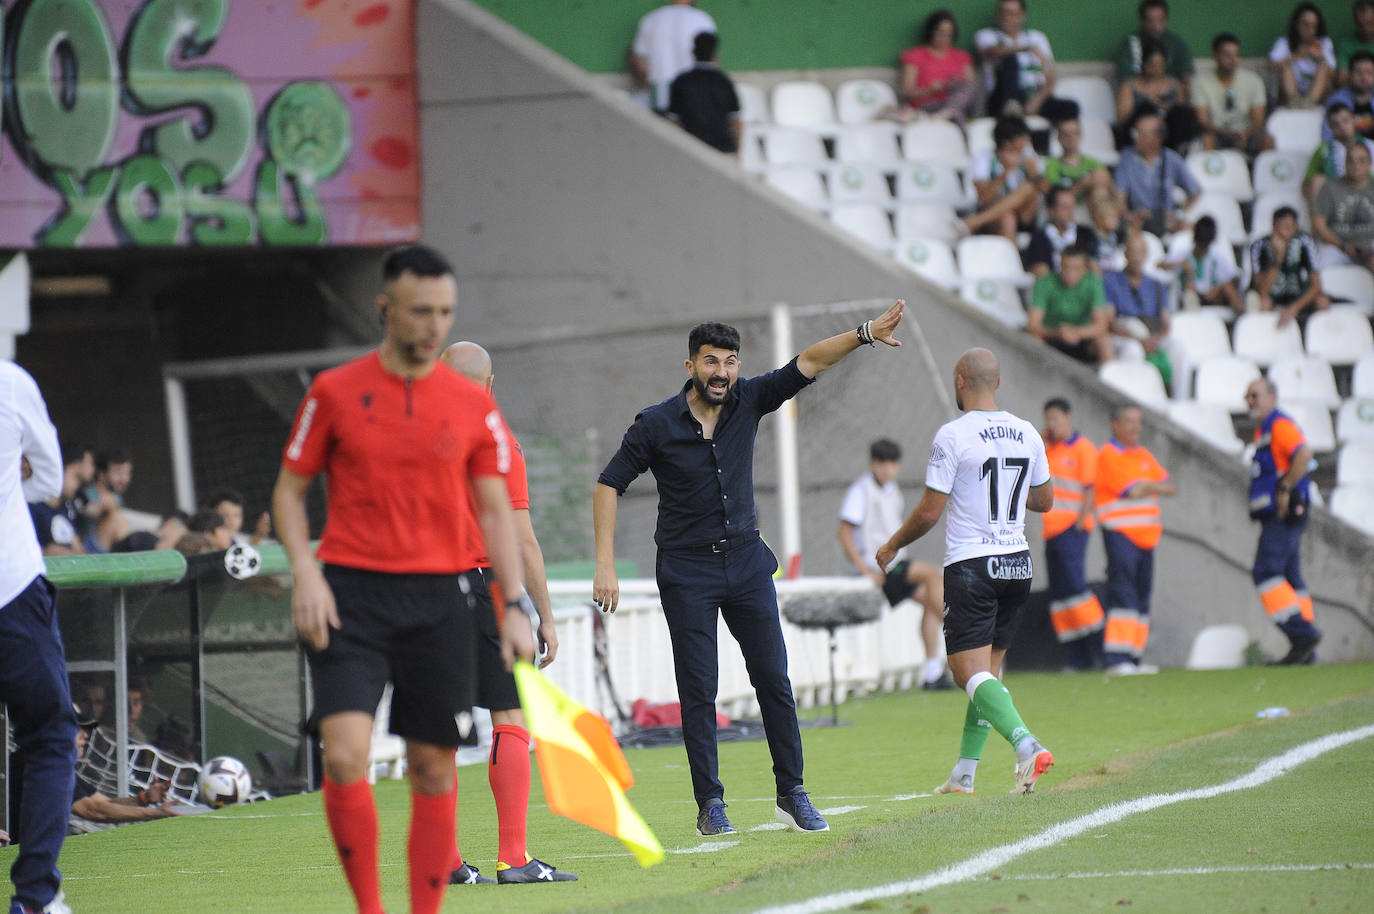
<point>1073,467</point>
<point>1118,469</point>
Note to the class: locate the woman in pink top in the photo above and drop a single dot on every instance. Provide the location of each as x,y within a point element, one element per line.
<point>937,77</point>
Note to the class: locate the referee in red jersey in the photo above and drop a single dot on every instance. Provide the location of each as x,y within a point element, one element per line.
<point>402,441</point>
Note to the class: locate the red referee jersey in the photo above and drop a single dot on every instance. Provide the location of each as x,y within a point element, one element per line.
<point>517,486</point>
<point>397,455</point>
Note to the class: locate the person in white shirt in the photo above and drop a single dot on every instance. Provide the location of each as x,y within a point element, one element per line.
<point>989,467</point>
<point>662,49</point>
<point>1018,67</point>
<point>872,511</point>
<point>33,673</point>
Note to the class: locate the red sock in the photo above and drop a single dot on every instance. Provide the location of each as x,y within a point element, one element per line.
<point>509,774</point>
<point>430,848</point>
<point>352,818</point>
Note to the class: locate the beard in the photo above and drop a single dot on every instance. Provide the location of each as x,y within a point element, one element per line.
<point>714,396</point>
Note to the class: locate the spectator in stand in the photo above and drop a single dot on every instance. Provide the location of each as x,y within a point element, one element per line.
<point>1358,95</point>
<point>1231,102</point>
<point>1304,59</point>
<point>1069,310</point>
<point>1155,89</point>
<point>1141,303</point>
<point>55,520</point>
<point>114,470</point>
<point>213,525</point>
<point>937,77</point>
<point>662,49</point>
<point>1008,182</point>
<point>1206,277</point>
<point>1283,270</point>
<point>229,503</point>
<point>166,536</point>
<point>1343,215</point>
<point>1147,175</point>
<point>1111,231</point>
<point>703,102</point>
<point>1154,26</point>
<point>1363,11</point>
<point>1084,175</point>
<point>1058,233</point>
<point>1328,159</point>
<point>1018,67</point>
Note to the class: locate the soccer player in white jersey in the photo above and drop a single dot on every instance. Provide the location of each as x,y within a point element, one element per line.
<point>990,466</point>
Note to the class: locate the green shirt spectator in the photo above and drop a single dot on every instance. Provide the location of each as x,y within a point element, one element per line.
<point>1072,305</point>
<point>1069,310</point>
<point>1057,172</point>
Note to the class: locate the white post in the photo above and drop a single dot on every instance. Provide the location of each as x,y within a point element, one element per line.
<point>789,484</point>
<point>178,430</point>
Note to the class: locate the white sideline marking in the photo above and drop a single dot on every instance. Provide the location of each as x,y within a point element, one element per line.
<point>769,826</point>
<point>1196,871</point>
<point>912,796</point>
<point>997,857</point>
<point>841,810</point>
<point>705,847</point>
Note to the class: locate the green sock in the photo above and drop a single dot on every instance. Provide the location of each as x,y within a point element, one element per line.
<point>975,734</point>
<point>995,706</point>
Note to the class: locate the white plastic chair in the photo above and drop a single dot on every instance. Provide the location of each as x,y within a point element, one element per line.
<point>1355,420</point>
<point>1193,337</point>
<point>997,299</point>
<point>1219,647</point>
<point>1355,505</point>
<point>869,144</point>
<point>1262,213</point>
<point>793,146</point>
<point>800,183</point>
<point>1154,256</point>
<point>979,131</point>
<point>926,181</point>
<point>1208,421</point>
<point>1093,93</point>
<point>801,103</point>
<point>1258,337</point>
<point>1362,378</point>
<point>1341,335</point>
<point>1222,380</point>
<point>1138,380</point>
<point>1275,171</point>
<point>1225,210</point>
<point>992,257</point>
<point>1098,140</point>
<point>860,100</point>
<point>930,258</point>
<point>753,104</point>
<point>935,141</point>
<point>859,184</point>
<point>751,148</point>
<point>1222,171</point>
<point>1355,463</point>
<point>865,221</point>
<point>1315,421</point>
<point>1305,377</point>
<point>932,219</point>
<point>1350,283</point>
<point>1296,130</point>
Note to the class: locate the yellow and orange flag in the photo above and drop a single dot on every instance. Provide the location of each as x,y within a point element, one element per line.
<point>584,772</point>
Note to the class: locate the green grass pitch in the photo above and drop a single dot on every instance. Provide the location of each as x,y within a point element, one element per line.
<point>1302,841</point>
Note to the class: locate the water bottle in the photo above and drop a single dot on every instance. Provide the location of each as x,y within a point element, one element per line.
<point>1272,712</point>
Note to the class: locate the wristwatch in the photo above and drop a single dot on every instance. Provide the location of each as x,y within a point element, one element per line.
<point>522,603</point>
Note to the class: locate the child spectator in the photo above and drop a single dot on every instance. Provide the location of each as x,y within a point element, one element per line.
<point>1206,276</point>
<point>1081,173</point>
<point>1111,231</point>
<point>1057,234</point>
<point>1008,182</point>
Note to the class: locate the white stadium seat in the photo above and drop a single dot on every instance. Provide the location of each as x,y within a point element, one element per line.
<point>925,181</point>
<point>1341,335</point>
<point>1305,377</point>
<point>1276,170</point>
<point>932,219</point>
<point>992,257</point>
<point>1355,420</point>
<point>751,148</point>
<point>802,103</point>
<point>1222,380</point>
<point>869,144</point>
<point>932,259</point>
<point>1355,463</point>
<point>1194,336</point>
<point>935,141</point>
<point>1226,211</point>
<point>861,100</point>
<point>1138,380</point>
<point>859,184</point>
<point>865,221</point>
<point>979,131</point>
<point>1262,213</point>
<point>1098,140</point>
<point>1362,378</point>
<point>996,298</point>
<point>1296,130</point>
<point>1222,171</point>
<point>1257,336</point>
<point>1355,505</point>
<point>753,104</point>
<point>800,183</point>
<point>793,146</point>
<point>1209,422</point>
<point>1093,93</point>
<point>1352,284</point>
<point>1315,421</point>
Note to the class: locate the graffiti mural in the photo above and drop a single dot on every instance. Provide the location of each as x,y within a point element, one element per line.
<point>208,122</point>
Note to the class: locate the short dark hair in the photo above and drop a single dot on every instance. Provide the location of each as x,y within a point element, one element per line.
<point>423,261</point>
<point>1283,211</point>
<point>1151,4</point>
<point>1205,231</point>
<point>205,520</point>
<point>223,494</point>
<point>1054,193</point>
<point>1074,250</point>
<point>176,514</point>
<point>1020,3</point>
<point>1008,129</point>
<point>108,458</point>
<point>1360,55</point>
<point>1150,47</point>
<point>1340,106</point>
<point>713,334</point>
<point>1120,409</point>
<point>74,452</point>
<point>1058,403</point>
<point>933,22</point>
<point>704,46</point>
<point>1224,38</point>
<point>883,450</point>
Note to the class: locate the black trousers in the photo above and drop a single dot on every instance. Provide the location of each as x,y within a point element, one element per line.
<point>737,583</point>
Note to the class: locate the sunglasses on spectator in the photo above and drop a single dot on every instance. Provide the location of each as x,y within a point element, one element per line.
<point>1230,99</point>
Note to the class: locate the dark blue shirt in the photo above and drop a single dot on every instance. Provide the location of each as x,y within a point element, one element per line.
<point>705,485</point>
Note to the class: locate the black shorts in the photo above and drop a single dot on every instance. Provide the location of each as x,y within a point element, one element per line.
<point>983,600</point>
<point>896,587</point>
<point>415,631</point>
<point>496,689</point>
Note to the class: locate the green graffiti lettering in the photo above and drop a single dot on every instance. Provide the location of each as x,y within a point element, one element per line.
<point>221,132</point>
<point>148,202</point>
<point>214,220</point>
<point>80,203</point>
<point>274,222</point>
<point>68,125</point>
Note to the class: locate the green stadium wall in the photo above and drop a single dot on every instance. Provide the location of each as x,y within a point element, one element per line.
<point>825,34</point>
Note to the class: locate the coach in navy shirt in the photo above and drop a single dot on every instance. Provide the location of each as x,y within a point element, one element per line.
<point>699,445</point>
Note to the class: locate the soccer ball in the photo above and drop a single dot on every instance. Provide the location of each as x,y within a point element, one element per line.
<point>242,561</point>
<point>223,781</point>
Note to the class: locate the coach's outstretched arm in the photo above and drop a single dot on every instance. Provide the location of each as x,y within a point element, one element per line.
<point>819,356</point>
<point>605,583</point>
<point>922,518</point>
